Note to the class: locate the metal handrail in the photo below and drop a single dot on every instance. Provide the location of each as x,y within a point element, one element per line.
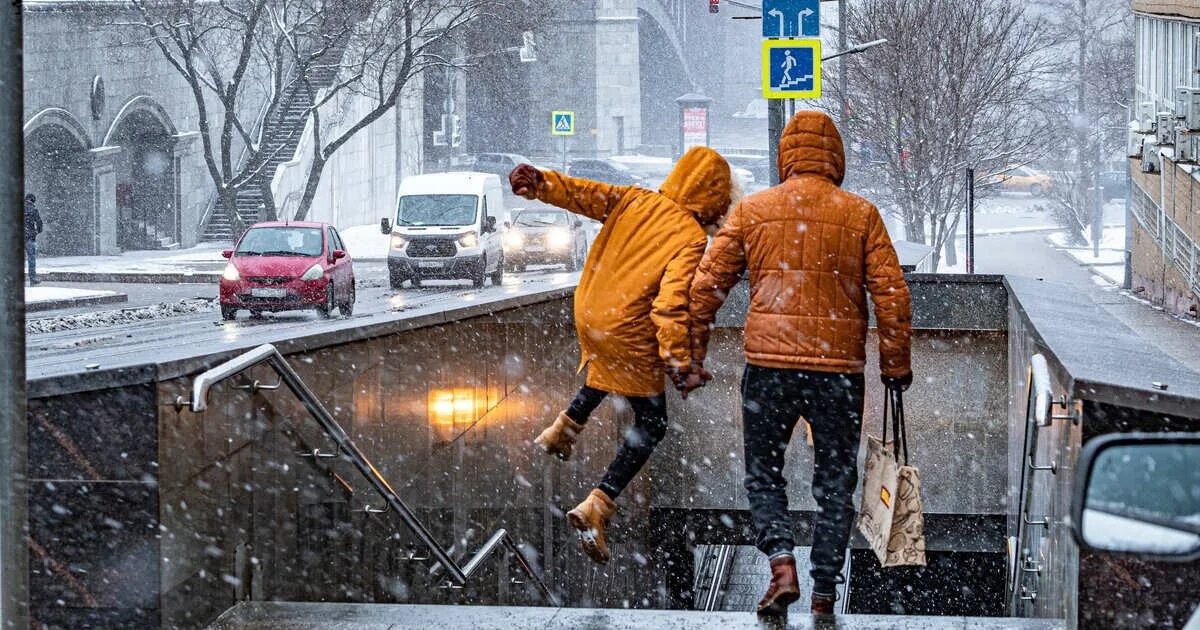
<point>268,355</point>
<point>721,565</point>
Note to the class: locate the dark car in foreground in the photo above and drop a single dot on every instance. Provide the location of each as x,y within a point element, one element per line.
<point>287,267</point>
<point>545,236</point>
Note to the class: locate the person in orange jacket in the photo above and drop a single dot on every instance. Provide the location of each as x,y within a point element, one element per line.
<point>631,309</point>
<point>813,252</point>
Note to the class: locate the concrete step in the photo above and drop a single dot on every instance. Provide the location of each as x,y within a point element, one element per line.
<point>304,616</point>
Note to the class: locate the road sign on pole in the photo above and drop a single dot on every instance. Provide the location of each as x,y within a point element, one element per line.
<point>791,68</point>
<point>562,123</point>
<point>791,18</point>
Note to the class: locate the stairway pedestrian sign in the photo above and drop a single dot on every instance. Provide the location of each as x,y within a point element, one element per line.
<point>791,18</point>
<point>791,68</point>
<point>562,123</point>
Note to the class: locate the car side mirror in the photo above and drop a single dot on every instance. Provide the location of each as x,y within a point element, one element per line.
<point>1135,493</point>
<point>228,253</point>
<point>385,225</point>
<point>489,224</point>
<point>339,254</point>
<point>578,223</point>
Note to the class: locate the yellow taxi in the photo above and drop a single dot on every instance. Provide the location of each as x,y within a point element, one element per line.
<point>1016,178</point>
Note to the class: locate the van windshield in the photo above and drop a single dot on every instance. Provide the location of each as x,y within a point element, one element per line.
<point>437,210</point>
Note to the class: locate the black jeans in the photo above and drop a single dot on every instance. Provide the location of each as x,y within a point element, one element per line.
<point>649,427</point>
<point>773,400</point>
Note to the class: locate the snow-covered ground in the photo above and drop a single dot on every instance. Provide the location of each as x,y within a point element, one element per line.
<point>365,242</point>
<point>102,319</point>
<point>38,295</point>
<point>1110,264</point>
<point>200,259</point>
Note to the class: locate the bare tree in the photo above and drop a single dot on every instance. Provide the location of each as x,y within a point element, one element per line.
<point>954,87</point>
<point>1092,87</point>
<point>298,58</point>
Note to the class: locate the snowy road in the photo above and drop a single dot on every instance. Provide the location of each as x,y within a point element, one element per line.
<point>182,336</point>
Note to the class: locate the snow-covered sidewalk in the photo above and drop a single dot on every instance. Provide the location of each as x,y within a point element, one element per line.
<point>1110,264</point>
<point>202,263</point>
<point>49,298</point>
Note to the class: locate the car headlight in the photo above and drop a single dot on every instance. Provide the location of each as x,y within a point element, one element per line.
<point>558,238</point>
<point>470,239</point>
<point>314,272</point>
<point>514,240</point>
<point>231,273</point>
<point>398,241</point>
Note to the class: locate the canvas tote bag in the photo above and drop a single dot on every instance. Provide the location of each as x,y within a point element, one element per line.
<point>892,518</point>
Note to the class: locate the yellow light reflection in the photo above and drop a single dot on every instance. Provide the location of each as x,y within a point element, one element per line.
<point>452,411</point>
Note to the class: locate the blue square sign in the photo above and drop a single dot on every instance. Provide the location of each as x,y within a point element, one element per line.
<point>791,18</point>
<point>791,68</point>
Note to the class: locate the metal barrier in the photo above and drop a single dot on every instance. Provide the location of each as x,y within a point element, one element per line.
<point>266,354</point>
<point>1177,247</point>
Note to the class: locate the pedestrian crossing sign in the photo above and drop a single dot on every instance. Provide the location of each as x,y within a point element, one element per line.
<point>562,123</point>
<point>791,68</point>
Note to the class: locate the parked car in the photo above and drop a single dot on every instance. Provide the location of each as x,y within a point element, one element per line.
<point>1022,179</point>
<point>604,171</point>
<point>1115,185</point>
<point>445,228</point>
<point>758,165</point>
<point>545,236</point>
<point>286,267</point>
<point>498,164</point>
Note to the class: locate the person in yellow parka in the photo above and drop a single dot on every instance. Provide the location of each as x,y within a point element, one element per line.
<point>631,309</point>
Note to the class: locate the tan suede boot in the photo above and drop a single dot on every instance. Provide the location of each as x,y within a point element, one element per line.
<point>589,519</point>
<point>559,438</point>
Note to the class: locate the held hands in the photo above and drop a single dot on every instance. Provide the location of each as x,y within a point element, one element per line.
<point>687,378</point>
<point>897,383</point>
<point>525,180</point>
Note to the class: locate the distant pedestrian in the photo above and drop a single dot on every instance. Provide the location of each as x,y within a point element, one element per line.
<point>631,309</point>
<point>813,251</point>
<point>33,227</point>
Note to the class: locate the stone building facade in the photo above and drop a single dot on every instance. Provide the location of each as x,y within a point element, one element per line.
<point>1164,229</point>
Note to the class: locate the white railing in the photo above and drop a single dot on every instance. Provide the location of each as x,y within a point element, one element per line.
<point>1177,247</point>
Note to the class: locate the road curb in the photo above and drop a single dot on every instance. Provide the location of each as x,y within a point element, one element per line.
<point>130,278</point>
<point>89,300</point>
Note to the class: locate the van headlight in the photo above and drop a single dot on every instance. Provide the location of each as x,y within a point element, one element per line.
<point>231,273</point>
<point>314,272</point>
<point>558,238</point>
<point>470,239</point>
<point>398,241</point>
<point>514,240</point>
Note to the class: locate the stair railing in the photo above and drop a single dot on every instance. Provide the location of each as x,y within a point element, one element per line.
<point>266,354</point>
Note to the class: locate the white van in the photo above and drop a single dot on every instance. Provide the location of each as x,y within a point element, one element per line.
<point>445,228</point>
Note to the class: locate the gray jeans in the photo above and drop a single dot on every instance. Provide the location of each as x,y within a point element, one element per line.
<point>31,258</point>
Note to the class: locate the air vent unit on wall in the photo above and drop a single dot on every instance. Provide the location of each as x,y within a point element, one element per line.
<point>1164,127</point>
<point>1187,107</point>
<point>1185,145</point>
<point>1151,159</point>
<point>1145,117</point>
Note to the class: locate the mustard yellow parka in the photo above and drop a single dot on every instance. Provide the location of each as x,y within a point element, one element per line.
<point>631,305</point>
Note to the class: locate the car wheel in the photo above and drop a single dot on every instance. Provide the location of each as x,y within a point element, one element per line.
<point>347,307</point>
<point>498,274</point>
<point>480,273</point>
<point>1036,190</point>
<point>326,308</point>
<point>256,314</point>
<point>228,313</point>
<point>395,280</point>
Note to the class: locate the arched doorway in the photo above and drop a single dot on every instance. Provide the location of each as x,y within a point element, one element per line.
<point>58,170</point>
<point>147,199</point>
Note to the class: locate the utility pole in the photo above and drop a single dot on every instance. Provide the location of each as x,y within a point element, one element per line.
<point>14,515</point>
<point>842,81</point>
<point>970,221</point>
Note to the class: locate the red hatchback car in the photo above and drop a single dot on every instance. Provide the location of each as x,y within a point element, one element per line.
<point>287,267</point>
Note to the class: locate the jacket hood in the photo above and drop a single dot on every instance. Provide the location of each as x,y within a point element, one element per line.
<point>702,183</point>
<point>811,144</point>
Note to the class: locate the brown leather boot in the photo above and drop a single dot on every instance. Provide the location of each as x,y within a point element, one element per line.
<point>823,604</point>
<point>589,520</point>
<point>559,438</point>
<point>784,588</point>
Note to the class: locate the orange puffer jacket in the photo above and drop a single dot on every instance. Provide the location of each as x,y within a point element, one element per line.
<point>813,250</point>
<point>631,305</point>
